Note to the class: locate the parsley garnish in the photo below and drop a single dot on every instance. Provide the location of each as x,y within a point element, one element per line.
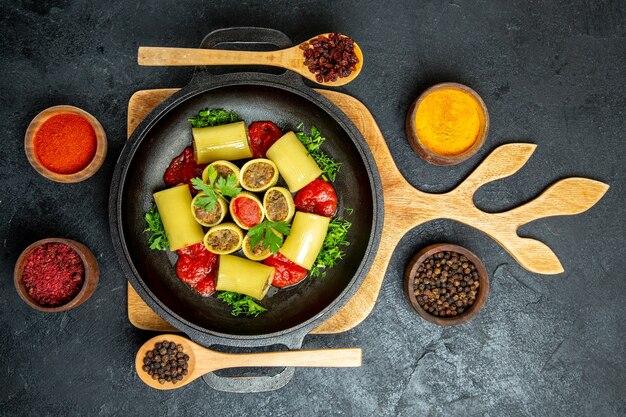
<point>207,200</point>
<point>227,186</point>
<point>213,117</point>
<point>211,192</point>
<point>312,143</point>
<point>158,238</point>
<point>264,233</point>
<point>332,248</point>
<point>241,304</point>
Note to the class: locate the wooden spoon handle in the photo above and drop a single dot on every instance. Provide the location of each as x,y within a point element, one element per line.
<point>330,358</point>
<point>159,56</point>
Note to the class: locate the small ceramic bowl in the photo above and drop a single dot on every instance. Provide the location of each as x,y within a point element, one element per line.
<point>436,158</point>
<point>481,296</point>
<point>90,169</point>
<point>90,282</point>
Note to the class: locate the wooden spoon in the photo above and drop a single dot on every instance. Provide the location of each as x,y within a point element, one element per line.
<point>290,58</point>
<point>203,360</point>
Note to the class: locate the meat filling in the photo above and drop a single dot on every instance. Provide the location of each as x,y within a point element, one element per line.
<point>258,250</point>
<point>223,240</point>
<point>257,175</point>
<point>222,171</point>
<point>277,207</point>
<point>208,217</point>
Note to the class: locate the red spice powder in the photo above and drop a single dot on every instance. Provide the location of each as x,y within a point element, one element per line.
<point>53,274</point>
<point>65,143</point>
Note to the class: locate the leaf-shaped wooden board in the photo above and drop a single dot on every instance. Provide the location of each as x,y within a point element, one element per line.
<point>407,207</point>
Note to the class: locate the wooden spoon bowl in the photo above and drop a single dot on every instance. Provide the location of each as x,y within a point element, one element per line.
<point>481,296</point>
<point>203,360</point>
<point>290,58</point>
<point>86,172</point>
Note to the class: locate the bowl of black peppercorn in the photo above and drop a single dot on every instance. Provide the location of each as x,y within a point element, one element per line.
<point>446,284</point>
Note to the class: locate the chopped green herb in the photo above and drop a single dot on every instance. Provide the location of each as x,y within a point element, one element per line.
<point>264,233</point>
<point>241,304</point>
<point>312,142</point>
<point>158,238</point>
<point>227,186</point>
<point>211,192</point>
<point>332,248</point>
<point>207,200</point>
<point>213,117</point>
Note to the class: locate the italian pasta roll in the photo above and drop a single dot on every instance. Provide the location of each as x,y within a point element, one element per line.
<point>294,162</point>
<point>258,175</point>
<point>278,205</point>
<point>223,169</point>
<point>180,226</point>
<point>306,238</point>
<point>209,218</point>
<point>223,239</point>
<point>246,210</point>
<point>229,142</point>
<point>244,276</point>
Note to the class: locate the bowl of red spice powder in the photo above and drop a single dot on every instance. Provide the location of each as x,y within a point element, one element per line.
<point>65,144</point>
<point>55,274</point>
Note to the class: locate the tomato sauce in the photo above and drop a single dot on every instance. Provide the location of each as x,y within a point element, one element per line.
<point>263,135</point>
<point>286,272</point>
<point>197,267</point>
<point>247,211</point>
<point>318,197</point>
<point>182,169</point>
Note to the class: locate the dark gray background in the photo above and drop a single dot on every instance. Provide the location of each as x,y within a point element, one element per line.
<point>550,72</point>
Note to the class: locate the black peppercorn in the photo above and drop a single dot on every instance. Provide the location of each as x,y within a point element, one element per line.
<point>166,362</point>
<point>446,284</point>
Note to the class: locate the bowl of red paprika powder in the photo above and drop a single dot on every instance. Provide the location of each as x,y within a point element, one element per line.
<point>65,144</point>
<point>55,274</point>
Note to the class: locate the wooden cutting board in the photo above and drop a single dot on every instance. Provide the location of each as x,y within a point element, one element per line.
<point>406,207</point>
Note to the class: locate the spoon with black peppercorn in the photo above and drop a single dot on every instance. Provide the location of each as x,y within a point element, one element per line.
<point>330,59</point>
<point>180,359</point>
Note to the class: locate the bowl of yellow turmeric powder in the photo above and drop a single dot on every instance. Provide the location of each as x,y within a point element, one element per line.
<point>447,124</point>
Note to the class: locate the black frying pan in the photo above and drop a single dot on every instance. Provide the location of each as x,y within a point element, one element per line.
<point>163,134</point>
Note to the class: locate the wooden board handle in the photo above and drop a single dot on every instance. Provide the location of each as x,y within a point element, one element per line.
<point>502,162</point>
<point>565,197</point>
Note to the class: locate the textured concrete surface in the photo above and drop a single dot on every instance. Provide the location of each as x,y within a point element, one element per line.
<point>552,73</point>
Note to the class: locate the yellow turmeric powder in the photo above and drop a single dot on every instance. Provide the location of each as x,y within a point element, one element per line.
<point>449,121</point>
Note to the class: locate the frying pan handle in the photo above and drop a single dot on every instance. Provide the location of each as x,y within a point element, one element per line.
<point>246,35</point>
<point>257,383</point>
<point>249,384</point>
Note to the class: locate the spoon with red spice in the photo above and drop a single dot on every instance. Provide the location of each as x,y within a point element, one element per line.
<point>331,59</point>
<point>200,360</point>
